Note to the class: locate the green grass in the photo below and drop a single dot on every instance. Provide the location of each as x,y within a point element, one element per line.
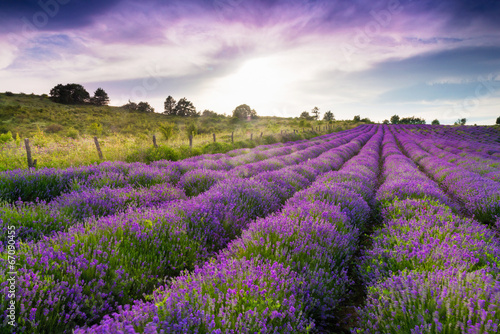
<point>62,135</point>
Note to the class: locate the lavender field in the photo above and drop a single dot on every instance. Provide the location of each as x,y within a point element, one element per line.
<point>377,229</point>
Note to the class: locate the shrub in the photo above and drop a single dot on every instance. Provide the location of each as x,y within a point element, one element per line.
<point>9,94</point>
<point>154,154</point>
<point>95,129</point>
<point>54,128</point>
<point>5,137</point>
<point>72,133</point>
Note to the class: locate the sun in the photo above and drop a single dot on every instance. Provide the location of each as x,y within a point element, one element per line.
<point>257,81</point>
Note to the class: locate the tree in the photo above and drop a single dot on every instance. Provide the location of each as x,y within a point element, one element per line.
<point>209,113</point>
<point>100,98</point>
<point>498,120</point>
<point>411,120</point>
<point>306,115</point>
<point>395,119</point>
<point>185,108</point>
<point>244,111</point>
<point>315,112</point>
<point>170,106</point>
<point>167,130</point>
<point>328,116</point>
<point>69,94</point>
<point>435,122</point>
<point>461,121</point>
<point>130,106</point>
<point>357,118</point>
<point>145,107</point>
<point>386,121</point>
<point>191,129</point>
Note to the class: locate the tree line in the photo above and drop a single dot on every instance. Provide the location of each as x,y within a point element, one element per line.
<point>77,94</point>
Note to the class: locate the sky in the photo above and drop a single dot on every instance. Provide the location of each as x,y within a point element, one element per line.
<point>430,59</point>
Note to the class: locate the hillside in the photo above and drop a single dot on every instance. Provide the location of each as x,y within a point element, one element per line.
<point>62,135</point>
<point>28,114</point>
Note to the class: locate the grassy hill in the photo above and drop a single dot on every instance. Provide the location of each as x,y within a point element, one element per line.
<point>61,135</point>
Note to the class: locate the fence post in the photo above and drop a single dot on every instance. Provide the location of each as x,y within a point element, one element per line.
<point>31,162</point>
<point>98,147</point>
<point>251,136</point>
<point>232,137</point>
<point>261,135</point>
<point>190,141</point>
<point>214,137</point>
<point>154,141</point>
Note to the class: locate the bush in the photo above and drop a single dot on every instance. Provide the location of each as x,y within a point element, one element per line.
<point>154,154</point>
<point>191,129</point>
<point>95,129</point>
<point>72,133</point>
<point>54,128</point>
<point>216,147</point>
<point>9,94</point>
<point>5,137</point>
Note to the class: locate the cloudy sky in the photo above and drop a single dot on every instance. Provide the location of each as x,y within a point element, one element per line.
<point>431,59</point>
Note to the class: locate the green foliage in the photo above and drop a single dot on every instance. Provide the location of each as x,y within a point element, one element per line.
<point>244,112</point>
<point>145,107</point>
<point>191,130</point>
<point>95,129</point>
<point>328,116</point>
<point>167,130</point>
<point>154,154</point>
<point>412,120</point>
<point>5,137</point>
<point>209,113</point>
<point>498,120</point>
<point>100,98</point>
<point>315,112</point>
<point>72,133</point>
<point>69,94</point>
<point>395,119</point>
<point>18,140</point>
<point>357,118</point>
<point>169,106</point>
<point>185,108</point>
<point>386,121</point>
<point>54,128</point>
<point>9,94</point>
<point>306,116</point>
<point>435,122</point>
<point>304,124</point>
<point>460,121</point>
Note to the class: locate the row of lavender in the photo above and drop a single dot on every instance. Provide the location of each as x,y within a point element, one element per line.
<point>483,140</point>
<point>429,270</point>
<point>287,273</point>
<point>34,220</point>
<point>453,152</point>
<point>480,196</point>
<point>76,277</point>
<point>48,183</point>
